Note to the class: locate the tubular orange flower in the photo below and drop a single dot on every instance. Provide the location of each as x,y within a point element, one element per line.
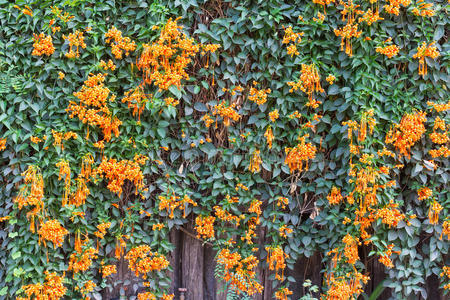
<point>424,193</point>
<point>205,226</point>
<point>142,261</point>
<point>42,45</point>
<point>335,196</point>
<point>76,40</point>
<point>433,212</point>
<point>52,289</point>
<point>2,144</point>
<point>295,157</point>
<point>81,262</point>
<point>407,133</point>
<point>269,136</point>
<point>108,270</point>
<point>273,115</point>
<point>423,51</point>
<point>52,231</point>
<point>226,112</point>
<point>119,43</point>
<point>276,259</point>
<point>255,162</point>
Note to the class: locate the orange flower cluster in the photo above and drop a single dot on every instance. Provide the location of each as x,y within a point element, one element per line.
<point>282,294</point>
<point>348,287</point>
<point>94,94</point>
<point>439,107</point>
<point>66,17</point>
<point>390,215</point>
<point>157,226</point>
<point>171,101</point>
<point>32,193</point>
<point>351,28</point>
<point>26,11</point>
<point>76,40</point>
<point>370,17</point>
<point>274,115</point>
<point>446,272</point>
<point>205,226</point>
<point>292,37</point>
<point>423,51</point>
<point>227,216</point>
<point>52,231</point>
<point>108,270</point>
<point>335,196</point>
<point>136,100</point>
<point>258,96</point>
<point>86,289</point>
<point>240,272</point>
<point>59,137</point>
<point>295,157</point>
<point>433,212</point>
<point>442,151</point>
<point>282,201</point>
<point>385,257</point>
<point>146,296</point>
<point>141,260</point>
<point>164,62</point>
<point>42,45</point>
<point>119,43</point>
<point>390,51</point>
<point>446,229</point>
<point>208,121</point>
<point>436,137</point>
<point>110,65</point>
<point>52,289</point>
<point>255,162</point>
<point>226,112</point>
<point>80,261</point>
<point>241,186</point>
<point>171,203</point>
<point>102,227</point>
<point>394,6</point>
<point>269,136</point>
<point>424,193</point>
<point>284,231</point>
<point>308,83</point>
<point>424,9</point>
<point>118,171</point>
<point>407,133</point>
<point>276,258</point>
<point>330,79</point>
<point>351,249</point>
<point>64,171</point>
<point>2,144</point>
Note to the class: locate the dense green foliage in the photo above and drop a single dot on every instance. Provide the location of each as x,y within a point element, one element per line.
<point>33,101</point>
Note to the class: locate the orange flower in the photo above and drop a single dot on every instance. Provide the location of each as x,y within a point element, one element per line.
<point>424,193</point>
<point>390,51</point>
<point>269,136</point>
<point>351,249</point>
<point>52,231</point>
<point>75,39</point>
<point>273,115</point>
<point>255,162</point>
<point>330,79</point>
<point>61,75</point>
<point>42,45</point>
<point>282,201</point>
<point>295,157</point>
<point>119,43</point>
<point>2,144</point>
<point>335,196</point>
<point>205,226</point>
<point>433,212</point>
<point>404,135</point>
<point>425,51</point>
<point>108,270</point>
<point>283,294</point>
<point>258,96</point>
<point>81,262</point>
<point>141,260</point>
<point>226,112</point>
<point>52,289</point>
<point>276,259</point>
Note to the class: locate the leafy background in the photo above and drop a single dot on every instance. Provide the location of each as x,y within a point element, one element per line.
<point>33,101</point>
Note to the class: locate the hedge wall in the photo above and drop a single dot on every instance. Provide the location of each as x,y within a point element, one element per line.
<point>271,131</point>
